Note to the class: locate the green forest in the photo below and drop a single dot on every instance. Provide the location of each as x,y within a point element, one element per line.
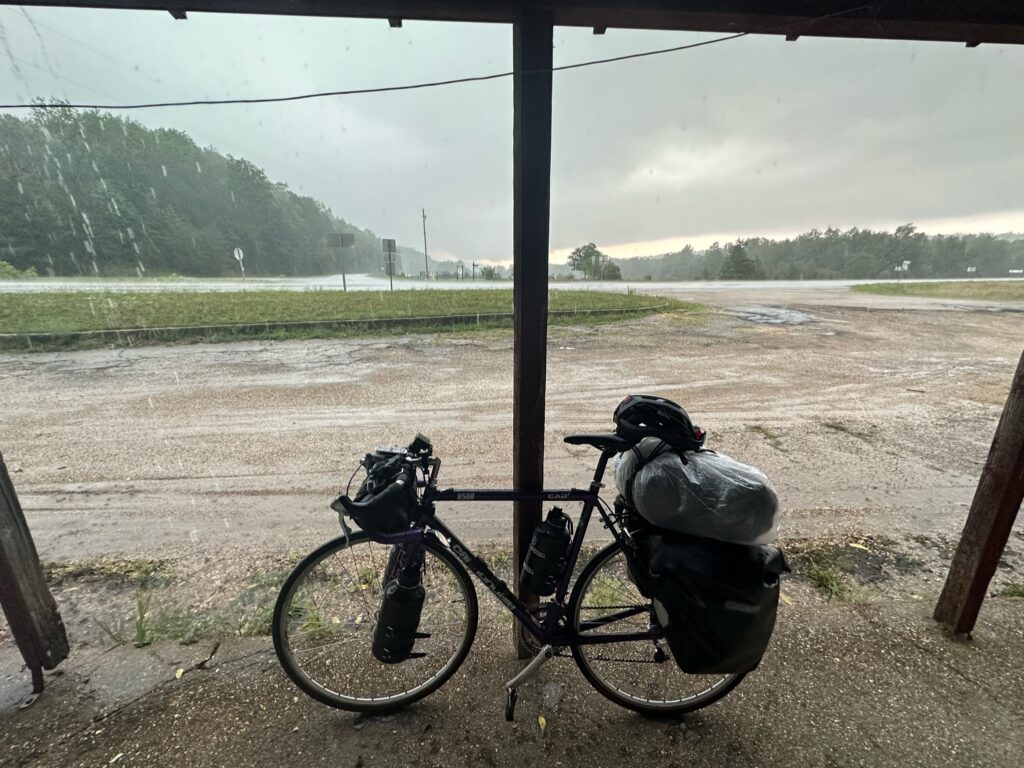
<point>94,194</point>
<point>835,254</point>
<point>90,193</point>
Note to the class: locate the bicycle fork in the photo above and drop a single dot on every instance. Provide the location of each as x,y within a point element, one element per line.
<point>531,669</point>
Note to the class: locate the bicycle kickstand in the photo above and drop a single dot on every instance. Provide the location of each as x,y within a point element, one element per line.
<point>531,669</point>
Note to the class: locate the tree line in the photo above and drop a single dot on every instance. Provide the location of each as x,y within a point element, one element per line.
<point>90,193</point>
<point>834,254</point>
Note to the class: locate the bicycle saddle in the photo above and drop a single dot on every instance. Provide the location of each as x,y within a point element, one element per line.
<point>603,442</point>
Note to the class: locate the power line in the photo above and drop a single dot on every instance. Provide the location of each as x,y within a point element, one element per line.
<point>418,86</point>
<point>362,91</point>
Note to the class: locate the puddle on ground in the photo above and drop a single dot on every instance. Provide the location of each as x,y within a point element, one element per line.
<point>770,315</point>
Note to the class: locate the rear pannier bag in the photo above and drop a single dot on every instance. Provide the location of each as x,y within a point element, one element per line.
<point>700,493</point>
<point>716,601</point>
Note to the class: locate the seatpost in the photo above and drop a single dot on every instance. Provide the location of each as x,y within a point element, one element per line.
<point>602,463</point>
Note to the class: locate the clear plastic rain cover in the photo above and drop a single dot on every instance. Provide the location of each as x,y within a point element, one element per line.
<point>701,493</point>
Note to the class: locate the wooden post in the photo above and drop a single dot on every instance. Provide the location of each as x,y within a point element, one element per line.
<point>532,42</point>
<point>30,608</point>
<point>996,503</point>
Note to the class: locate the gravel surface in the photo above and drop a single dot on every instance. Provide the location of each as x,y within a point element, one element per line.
<point>839,686</point>
<point>866,421</point>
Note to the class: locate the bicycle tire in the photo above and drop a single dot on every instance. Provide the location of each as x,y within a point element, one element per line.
<point>339,701</point>
<point>605,688</point>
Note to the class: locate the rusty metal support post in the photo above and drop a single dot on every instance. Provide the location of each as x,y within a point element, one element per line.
<point>993,511</point>
<point>30,608</point>
<point>532,41</point>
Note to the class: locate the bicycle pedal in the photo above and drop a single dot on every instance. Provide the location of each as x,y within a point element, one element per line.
<point>421,635</point>
<point>511,694</point>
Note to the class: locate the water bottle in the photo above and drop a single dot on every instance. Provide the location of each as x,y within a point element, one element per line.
<point>546,558</point>
<point>399,618</point>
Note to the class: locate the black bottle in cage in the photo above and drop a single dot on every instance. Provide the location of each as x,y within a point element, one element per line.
<point>546,558</point>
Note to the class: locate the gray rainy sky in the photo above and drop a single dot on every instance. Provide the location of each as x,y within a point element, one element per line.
<point>755,136</point>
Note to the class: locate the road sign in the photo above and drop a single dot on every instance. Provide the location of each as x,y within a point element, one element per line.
<point>340,239</point>
<point>237,253</point>
<point>388,245</point>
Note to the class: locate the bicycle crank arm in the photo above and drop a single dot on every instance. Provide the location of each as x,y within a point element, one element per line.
<point>531,669</point>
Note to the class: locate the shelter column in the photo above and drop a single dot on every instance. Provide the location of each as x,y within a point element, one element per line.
<point>993,511</point>
<point>532,41</point>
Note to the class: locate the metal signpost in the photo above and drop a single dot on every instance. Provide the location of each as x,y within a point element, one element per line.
<point>238,257</point>
<point>341,240</point>
<point>389,259</point>
<point>426,259</point>
<point>902,269</point>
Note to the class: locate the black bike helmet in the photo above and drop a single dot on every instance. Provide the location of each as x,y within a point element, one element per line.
<point>640,416</point>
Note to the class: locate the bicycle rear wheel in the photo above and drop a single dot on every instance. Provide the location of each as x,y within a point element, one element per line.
<point>640,674</point>
<point>327,611</point>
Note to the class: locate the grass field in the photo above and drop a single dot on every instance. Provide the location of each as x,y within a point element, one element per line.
<point>1002,290</point>
<point>179,313</point>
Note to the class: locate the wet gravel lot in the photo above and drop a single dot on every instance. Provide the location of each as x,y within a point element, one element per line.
<point>867,420</point>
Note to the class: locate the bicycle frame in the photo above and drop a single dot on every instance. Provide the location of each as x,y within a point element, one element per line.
<point>548,633</point>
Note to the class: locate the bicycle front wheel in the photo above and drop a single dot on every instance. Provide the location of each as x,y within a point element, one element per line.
<point>327,611</point>
<point>639,674</point>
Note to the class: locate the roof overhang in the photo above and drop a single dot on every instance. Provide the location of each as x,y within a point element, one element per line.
<point>964,21</point>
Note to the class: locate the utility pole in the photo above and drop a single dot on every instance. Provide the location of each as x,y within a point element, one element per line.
<point>426,259</point>
<point>475,265</point>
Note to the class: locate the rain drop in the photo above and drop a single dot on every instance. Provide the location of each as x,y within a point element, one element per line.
<point>87,147</point>
<point>164,169</point>
<point>94,267</point>
<point>103,184</point>
<point>29,148</point>
<point>124,128</point>
<point>121,235</point>
<point>135,247</point>
<point>232,195</point>
<point>117,211</point>
<point>152,193</point>
<point>94,167</point>
<point>131,233</point>
<point>73,203</point>
<point>21,189</point>
<point>198,167</point>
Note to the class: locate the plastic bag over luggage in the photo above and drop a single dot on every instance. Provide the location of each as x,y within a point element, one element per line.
<point>701,493</point>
